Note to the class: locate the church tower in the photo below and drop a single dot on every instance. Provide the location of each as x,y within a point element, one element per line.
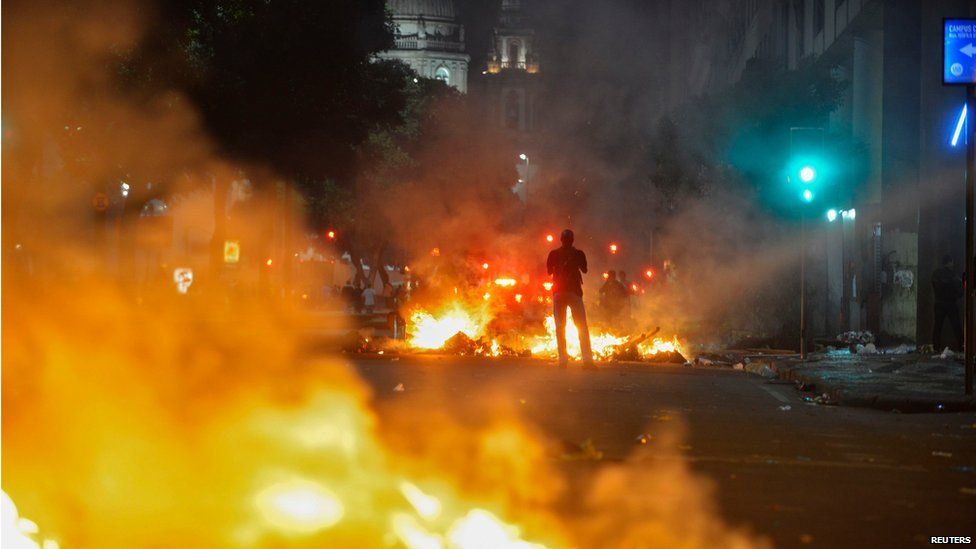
<point>512,86</point>
<point>512,69</point>
<point>430,40</point>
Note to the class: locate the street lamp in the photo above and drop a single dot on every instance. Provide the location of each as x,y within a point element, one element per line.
<point>832,215</point>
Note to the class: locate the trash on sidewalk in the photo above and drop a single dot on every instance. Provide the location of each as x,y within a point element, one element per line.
<point>868,349</point>
<point>785,408</point>
<point>398,388</point>
<point>946,354</point>
<point>825,400</point>
<point>941,454</point>
<point>761,368</point>
<point>863,337</point>
<point>738,366</point>
<point>902,349</point>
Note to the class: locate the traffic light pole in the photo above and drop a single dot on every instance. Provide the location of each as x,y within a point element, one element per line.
<point>969,323</point>
<point>803,284</point>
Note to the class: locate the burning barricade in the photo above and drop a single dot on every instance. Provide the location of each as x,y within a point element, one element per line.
<point>468,330</point>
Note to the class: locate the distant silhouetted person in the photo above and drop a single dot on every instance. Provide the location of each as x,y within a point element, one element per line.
<point>613,297</point>
<point>566,264</point>
<point>947,287</point>
<point>369,299</point>
<point>625,297</point>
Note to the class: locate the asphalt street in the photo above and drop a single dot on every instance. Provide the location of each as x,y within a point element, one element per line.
<point>801,474</point>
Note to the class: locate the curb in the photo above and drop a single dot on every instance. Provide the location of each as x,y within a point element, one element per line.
<point>911,404</point>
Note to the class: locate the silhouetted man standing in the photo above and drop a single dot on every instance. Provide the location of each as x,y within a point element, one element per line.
<point>947,287</point>
<point>566,265</point>
<point>613,297</point>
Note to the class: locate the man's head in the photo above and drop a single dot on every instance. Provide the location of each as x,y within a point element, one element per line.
<point>623,275</point>
<point>567,237</point>
<point>947,261</point>
<point>611,275</point>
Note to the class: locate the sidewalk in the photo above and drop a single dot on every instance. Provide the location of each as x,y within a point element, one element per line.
<point>902,382</point>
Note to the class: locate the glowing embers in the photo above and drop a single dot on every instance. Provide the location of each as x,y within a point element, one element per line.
<point>299,506</point>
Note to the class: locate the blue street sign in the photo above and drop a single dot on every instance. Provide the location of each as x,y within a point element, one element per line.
<point>959,57</point>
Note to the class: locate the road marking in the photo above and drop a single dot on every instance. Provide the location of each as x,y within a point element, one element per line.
<point>775,394</point>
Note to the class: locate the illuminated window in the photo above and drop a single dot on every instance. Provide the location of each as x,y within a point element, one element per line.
<point>513,54</point>
<point>443,75</point>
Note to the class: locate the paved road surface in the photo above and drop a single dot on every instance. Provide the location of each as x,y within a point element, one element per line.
<point>810,476</point>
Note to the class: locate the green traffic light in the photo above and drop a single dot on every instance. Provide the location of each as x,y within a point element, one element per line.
<point>807,174</point>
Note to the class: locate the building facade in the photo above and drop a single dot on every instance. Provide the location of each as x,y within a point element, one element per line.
<point>430,40</point>
<point>872,269</point>
<point>511,88</point>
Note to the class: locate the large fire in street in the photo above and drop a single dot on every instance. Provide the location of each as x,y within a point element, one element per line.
<point>434,331</point>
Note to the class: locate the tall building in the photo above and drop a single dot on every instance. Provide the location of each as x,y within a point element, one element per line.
<point>430,40</point>
<point>873,270</point>
<point>511,78</point>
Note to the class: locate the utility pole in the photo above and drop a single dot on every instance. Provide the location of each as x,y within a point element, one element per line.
<point>970,324</point>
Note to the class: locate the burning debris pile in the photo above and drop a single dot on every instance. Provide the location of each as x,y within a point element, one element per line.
<point>463,345</point>
<point>468,331</point>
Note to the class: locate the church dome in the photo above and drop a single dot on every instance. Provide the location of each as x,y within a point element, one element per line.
<point>425,8</point>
